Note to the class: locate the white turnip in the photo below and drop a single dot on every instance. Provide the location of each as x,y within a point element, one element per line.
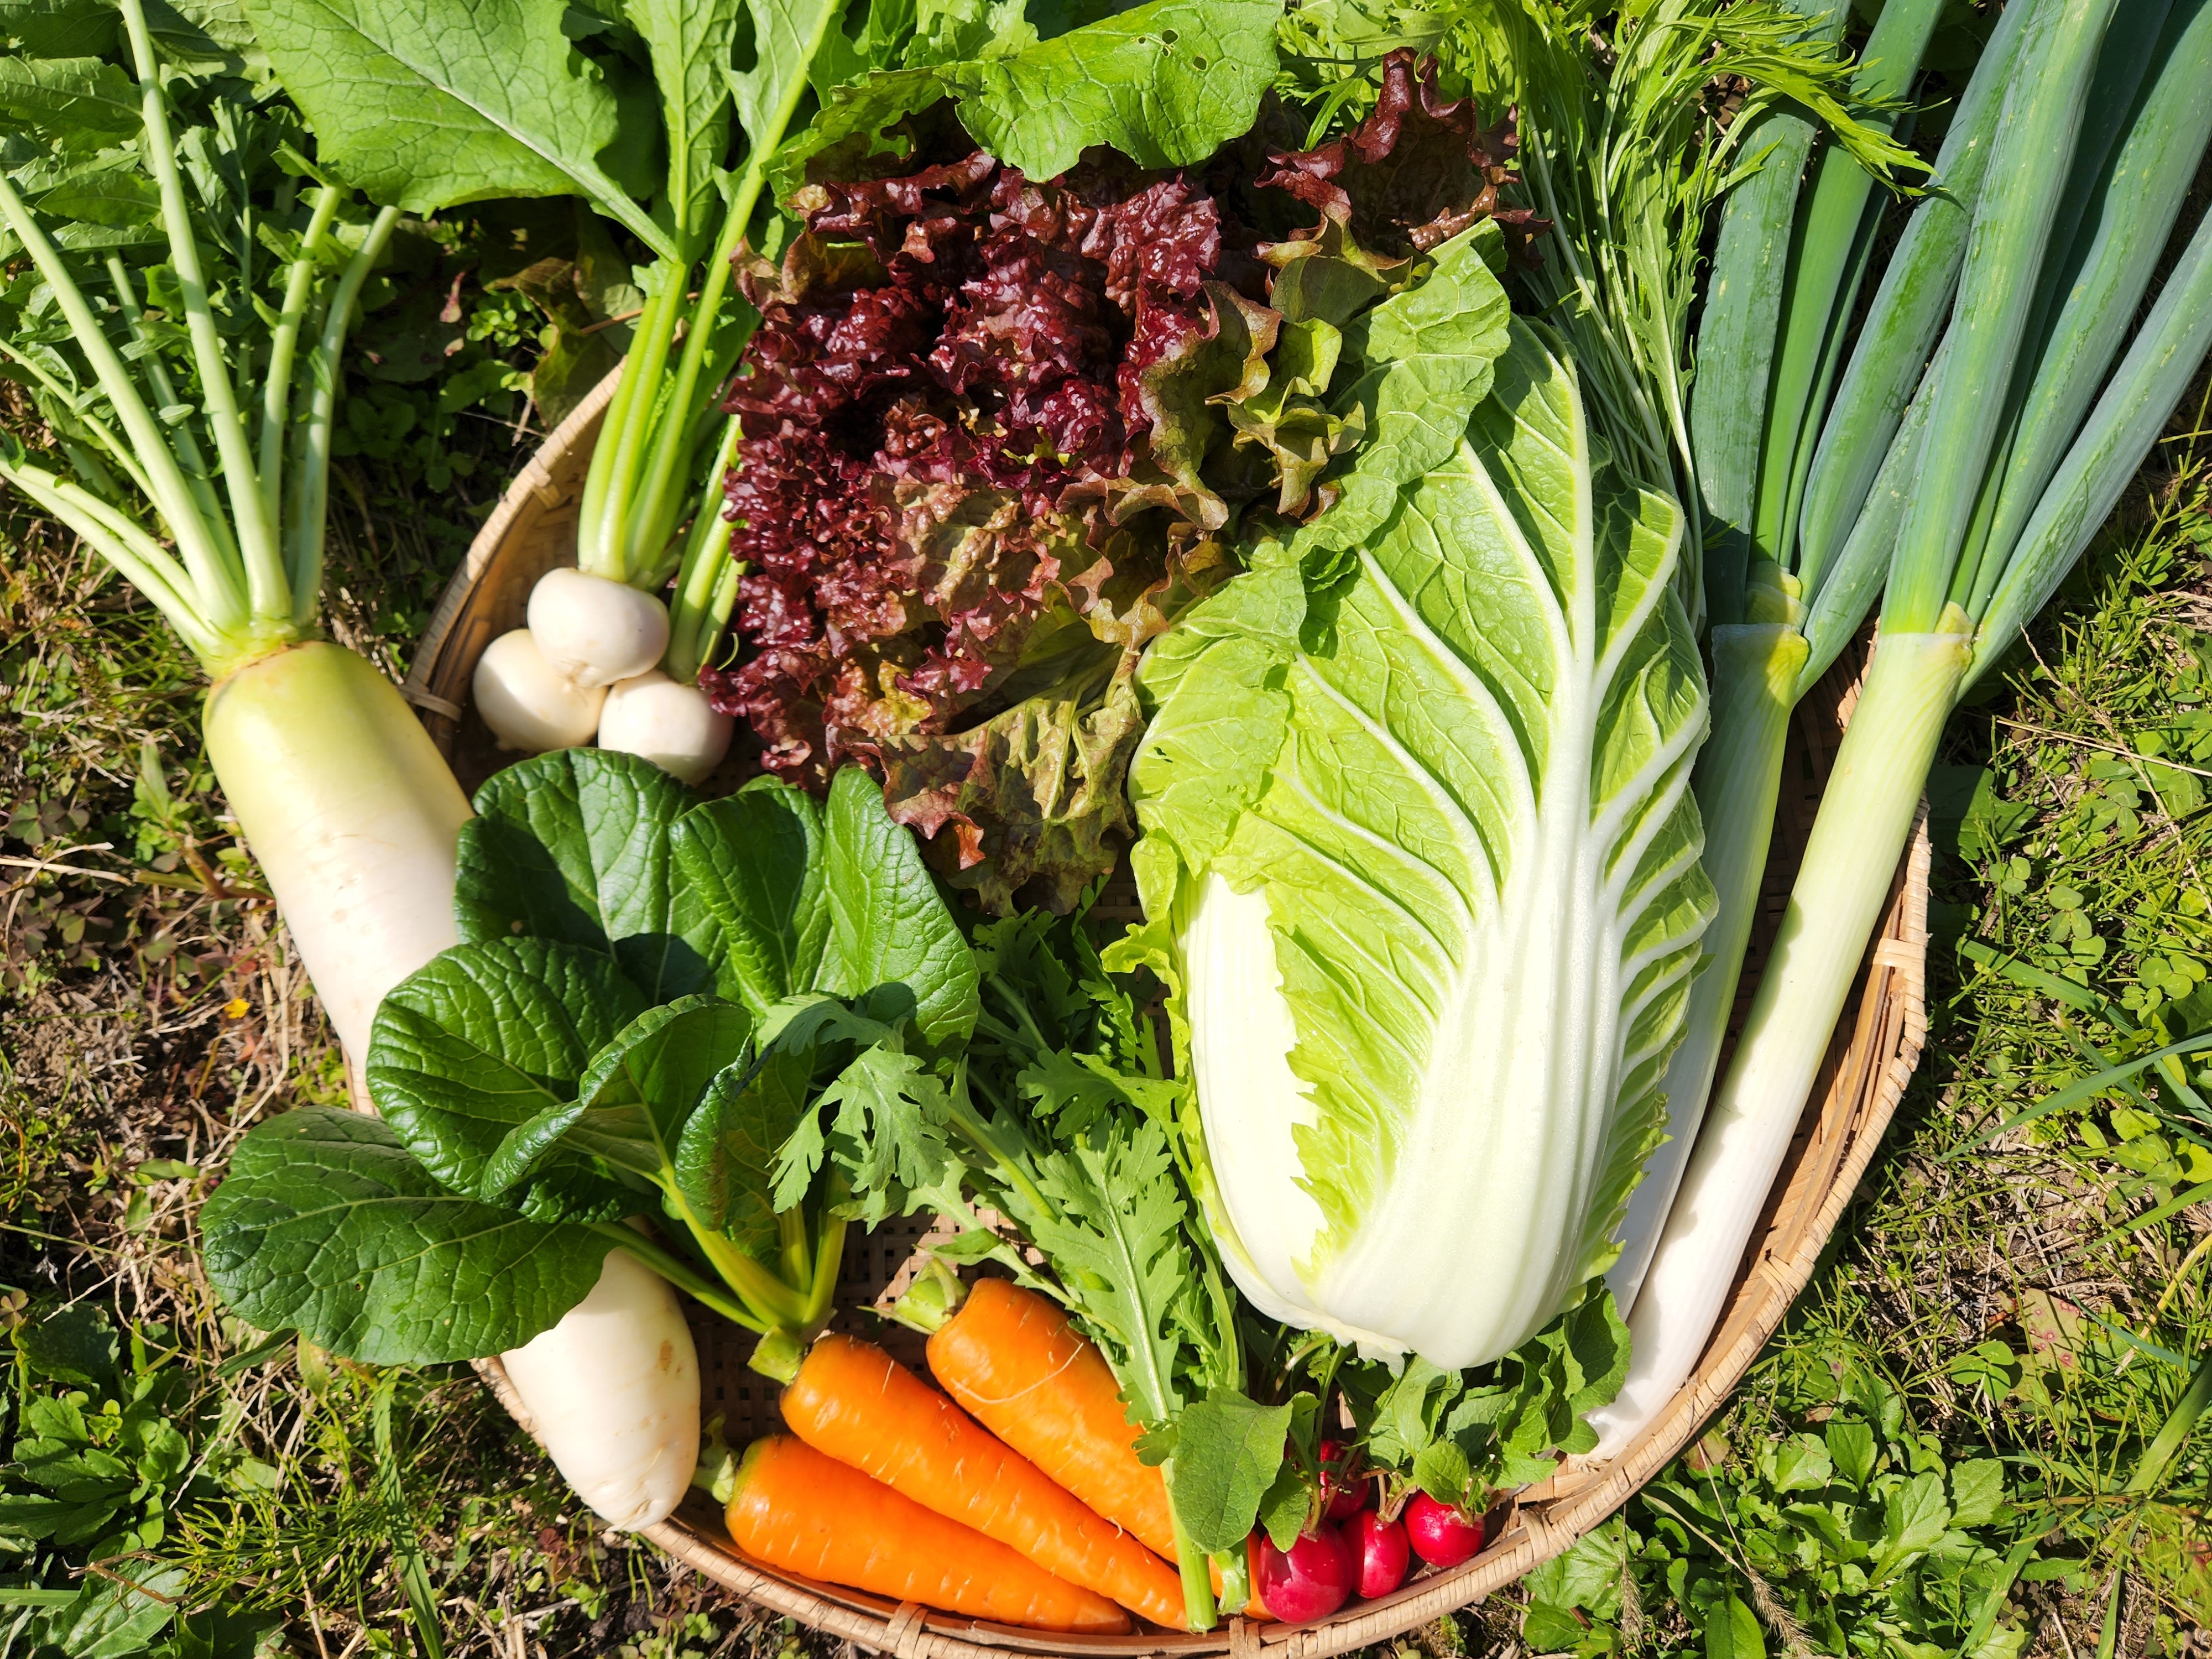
<point>528,705</point>
<point>668,723</point>
<point>594,631</point>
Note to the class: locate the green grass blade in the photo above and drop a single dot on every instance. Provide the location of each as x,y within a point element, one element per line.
<point>2119,432</point>
<point>1907,316</point>
<point>2033,151</point>
<point>2175,1429</point>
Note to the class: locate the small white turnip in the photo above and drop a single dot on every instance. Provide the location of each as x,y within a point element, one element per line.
<point>527,705</point>
<point>668,723</point>
<point>613,1392</point>
<point>594,631</point>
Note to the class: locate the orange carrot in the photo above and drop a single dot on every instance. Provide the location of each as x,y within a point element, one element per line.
<point>1010,1358</point>
<point>853,1402</point>
<point>797,1510</point>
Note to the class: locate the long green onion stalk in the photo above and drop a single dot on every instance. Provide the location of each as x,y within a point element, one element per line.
<point>2007,427</point>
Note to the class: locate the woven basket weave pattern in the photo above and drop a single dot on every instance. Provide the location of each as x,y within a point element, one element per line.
<point>1871,1060</point>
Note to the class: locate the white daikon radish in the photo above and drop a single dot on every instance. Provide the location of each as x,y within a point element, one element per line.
<point>668,724</point>
<point>527,705</point>
<point>613,1392</point>
<point>352,814</point>
<point>594,631</point>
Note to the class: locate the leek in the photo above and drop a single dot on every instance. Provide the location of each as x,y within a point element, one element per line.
<point>2033,317</point>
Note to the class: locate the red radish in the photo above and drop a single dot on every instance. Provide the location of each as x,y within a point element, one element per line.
<point>1310,1580</point>
<point>1440,1534</point>
<point>1342,1491</point>
<point>1379,1547</point>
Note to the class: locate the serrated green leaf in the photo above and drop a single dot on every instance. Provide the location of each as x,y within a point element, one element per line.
<point>1850,1444</point>
<point>575,845</point>
<point>328,1226</point>
<point>1977,1493</point>
<point>82,102</point>
<point>689,41</point>
<point>425,107</point>
<point>485,1037</point>
<point>1228,1451</point>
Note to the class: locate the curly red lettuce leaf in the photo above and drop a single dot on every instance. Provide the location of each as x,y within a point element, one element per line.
<point>999,433</point>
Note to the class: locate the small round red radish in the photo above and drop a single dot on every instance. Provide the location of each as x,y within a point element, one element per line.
<point>1379,1547</point>
<point>1439,1533</point>
<point>1343,1493</point>
<point>1310,1580</point>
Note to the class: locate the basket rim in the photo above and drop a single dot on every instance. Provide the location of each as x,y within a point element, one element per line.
<point>1883,1033</point>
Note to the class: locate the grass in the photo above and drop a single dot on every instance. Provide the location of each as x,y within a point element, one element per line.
<point>1970,1394</point>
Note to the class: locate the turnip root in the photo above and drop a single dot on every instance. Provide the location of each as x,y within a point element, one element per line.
<point>668,723</point>
<point>529,705</point>
<point>594,631</point>
<point>613,1392</point>
<point>352,814</point>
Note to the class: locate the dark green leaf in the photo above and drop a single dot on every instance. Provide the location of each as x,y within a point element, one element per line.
<point>755,860</point>
<point>59,29</point>
<point>111,1620</point>
<point>1977,1492</point>
<point>489,1036</point>
<point>1228,1449</point>
<point>1732,1632</point>
<point>75,1345</point>
<point>639,1090</point>
<point>1547,1629</point>
<point>574,845</point>
<point>327,1227</point>
<point>726,1158</point>
<point>1851,1445</point>
<point>1286,1505</point>
<point>1440,1469</point>
<point>888,925</point>
<point>82,102</point>
<point>470,103</point>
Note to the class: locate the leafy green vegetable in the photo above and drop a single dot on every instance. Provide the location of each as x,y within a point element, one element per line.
<point>327,1225</point>
<point>1167,83</point>
<point>484,1039</point>
<point>571,1063</point>
<point>574,845</point>
<point>467,105</point>
<point>1466,747</point>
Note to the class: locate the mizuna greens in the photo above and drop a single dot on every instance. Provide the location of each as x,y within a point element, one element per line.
<point>181,318</point>
<point>1997,476</point>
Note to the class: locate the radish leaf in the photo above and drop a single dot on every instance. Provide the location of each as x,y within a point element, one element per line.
<point>426,106</point>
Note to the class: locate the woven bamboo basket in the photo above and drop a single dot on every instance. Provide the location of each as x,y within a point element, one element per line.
<point>1872,1055</point>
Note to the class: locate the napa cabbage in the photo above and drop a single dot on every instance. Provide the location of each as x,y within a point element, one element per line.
<point>1420,864</point>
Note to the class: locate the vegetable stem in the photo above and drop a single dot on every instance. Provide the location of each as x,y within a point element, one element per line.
<point>1739,781</point>
<point>1199,1605</point>
<point>671,1268</point>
